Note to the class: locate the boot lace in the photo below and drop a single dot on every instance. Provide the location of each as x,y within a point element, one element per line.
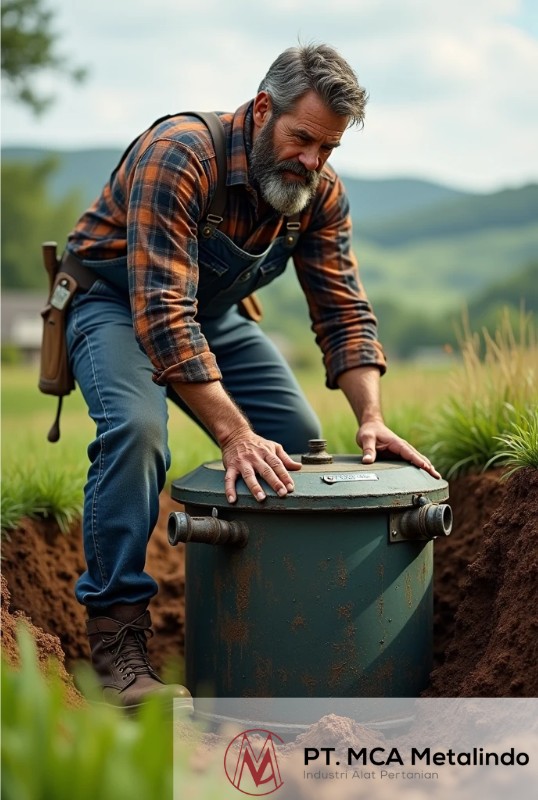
<point>129,645</point>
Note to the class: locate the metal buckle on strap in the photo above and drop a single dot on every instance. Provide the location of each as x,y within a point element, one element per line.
<point>212,221</point>
<point>293,229</point>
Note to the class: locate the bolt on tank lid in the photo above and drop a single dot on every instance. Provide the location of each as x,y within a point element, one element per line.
<point>317,453</point>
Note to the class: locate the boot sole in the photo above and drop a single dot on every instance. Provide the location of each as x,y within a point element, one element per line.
<point>182,706</point>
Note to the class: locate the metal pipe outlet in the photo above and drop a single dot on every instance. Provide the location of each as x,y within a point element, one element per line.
<point>183,527</point>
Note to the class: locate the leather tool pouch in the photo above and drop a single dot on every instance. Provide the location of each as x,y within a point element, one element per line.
<point>55,376</point>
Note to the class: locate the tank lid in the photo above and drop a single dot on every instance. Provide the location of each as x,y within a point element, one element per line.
<point>345,484</point>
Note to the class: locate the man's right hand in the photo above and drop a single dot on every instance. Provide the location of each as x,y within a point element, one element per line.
<point>247,455</point>
<point>244,453</point>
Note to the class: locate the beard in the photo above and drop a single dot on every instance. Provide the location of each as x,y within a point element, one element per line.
<point>285,195</point>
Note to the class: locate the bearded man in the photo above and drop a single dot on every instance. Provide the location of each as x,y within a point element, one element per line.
<point>161,318</point>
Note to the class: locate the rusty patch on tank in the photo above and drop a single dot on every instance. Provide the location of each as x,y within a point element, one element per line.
<point>234,631</point>
<point>242,578</point>
<point>298,622</point>
<point>345,667</point>
<point>337,673</point>
<point>345,611</point>
<point>289,566</point>
<point>379,683</point>
<point>423,572</point>
<point>341,572</point>
<point>282,676</point>
<point>264,677</point>
<point>408,591</point>
<point>380,605</point>
<point>310,682</point>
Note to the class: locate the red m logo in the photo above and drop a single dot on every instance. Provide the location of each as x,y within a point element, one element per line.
<point>250,773</point>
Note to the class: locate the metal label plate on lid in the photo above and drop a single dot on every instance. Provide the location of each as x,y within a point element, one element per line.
<point>350,476</point>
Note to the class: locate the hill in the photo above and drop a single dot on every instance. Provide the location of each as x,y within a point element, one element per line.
<point>458,216</point>
<point>82,171</point>
<point>86,172</point>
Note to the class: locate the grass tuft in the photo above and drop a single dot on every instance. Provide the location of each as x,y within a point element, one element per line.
<point>491,392</point>
<point>519,445</point>
<point>39,489</point>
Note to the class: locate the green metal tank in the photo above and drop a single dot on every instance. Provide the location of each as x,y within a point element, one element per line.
<point>324,593</point>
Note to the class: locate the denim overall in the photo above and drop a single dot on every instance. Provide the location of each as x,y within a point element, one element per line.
<point>129,455</point>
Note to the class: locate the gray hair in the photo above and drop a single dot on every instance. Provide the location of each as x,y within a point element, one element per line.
<point>320,68</point>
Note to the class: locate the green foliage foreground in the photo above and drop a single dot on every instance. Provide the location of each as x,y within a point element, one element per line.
<point>51,751</point>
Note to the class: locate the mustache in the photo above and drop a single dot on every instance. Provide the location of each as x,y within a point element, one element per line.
<point>296,168</point>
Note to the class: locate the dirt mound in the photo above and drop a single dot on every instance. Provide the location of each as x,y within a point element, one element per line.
<point>41,566</point>
<point>484,588</point>
<point>473,499</point>
<point>48,646</point>
<point>494,651</point>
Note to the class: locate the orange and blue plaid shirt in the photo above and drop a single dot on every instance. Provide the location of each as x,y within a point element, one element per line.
<point>150,211</point>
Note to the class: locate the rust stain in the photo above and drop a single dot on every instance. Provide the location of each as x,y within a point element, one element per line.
<point>346,666</point>
<point>379,683</point>
<point>264,676</point>
<point>310,682</point>
<point>289,566</point>
<point>345,611</point>
<point>408,591</point>
<point>423,573</point>
<point>337,674</point>
<point>282,676</point>
<point>341,573</point>
<point>380,605</point>
<point>234,631</point>
<point>323,566</point>
<point>242,578</point>
<point>298,622</point>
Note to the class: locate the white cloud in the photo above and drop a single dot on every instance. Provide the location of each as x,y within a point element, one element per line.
<point>451,84</point>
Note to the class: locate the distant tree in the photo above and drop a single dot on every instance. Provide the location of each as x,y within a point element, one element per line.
<point>29,47</point>
<point>29,217</point>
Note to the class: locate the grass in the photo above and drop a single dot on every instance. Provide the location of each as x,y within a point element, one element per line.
<point>51,750</point>
<point>519,445</point>
<point>495,389</point>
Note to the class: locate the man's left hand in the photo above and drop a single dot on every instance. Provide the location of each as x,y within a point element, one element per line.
<point>374,436</point>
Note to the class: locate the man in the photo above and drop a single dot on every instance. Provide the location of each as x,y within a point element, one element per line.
<point>162,320</point>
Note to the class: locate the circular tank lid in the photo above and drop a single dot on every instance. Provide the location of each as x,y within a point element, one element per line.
<point>344,484</point>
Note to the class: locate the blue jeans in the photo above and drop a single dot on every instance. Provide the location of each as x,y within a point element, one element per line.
<point>129,455</point>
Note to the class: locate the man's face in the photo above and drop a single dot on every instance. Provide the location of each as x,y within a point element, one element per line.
<point>290,151</point>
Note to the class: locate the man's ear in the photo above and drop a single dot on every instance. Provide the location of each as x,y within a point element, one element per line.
<point>262,109</point>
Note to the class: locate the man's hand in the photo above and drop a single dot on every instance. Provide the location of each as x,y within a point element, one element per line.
<point>244,454</point>
<point>374,435</point>
<point>247,455</point>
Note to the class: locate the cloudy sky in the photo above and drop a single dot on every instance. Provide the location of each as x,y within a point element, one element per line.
<point>452,85</point>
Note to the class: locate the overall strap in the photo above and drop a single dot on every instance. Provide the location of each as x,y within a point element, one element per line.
<point>215,214</point>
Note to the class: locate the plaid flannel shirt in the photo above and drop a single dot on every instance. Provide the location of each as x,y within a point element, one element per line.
<point>150,211</point>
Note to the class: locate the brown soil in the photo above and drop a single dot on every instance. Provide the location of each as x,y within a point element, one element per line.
<point>485,625</point>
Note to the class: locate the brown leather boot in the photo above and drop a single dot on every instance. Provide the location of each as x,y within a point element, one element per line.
<point>120,659</point>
